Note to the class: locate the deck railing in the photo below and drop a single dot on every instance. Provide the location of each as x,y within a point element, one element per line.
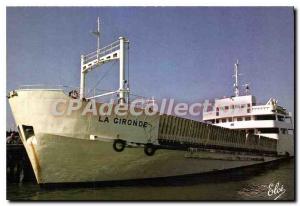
<point>93,92</point>
<point>101,52</point>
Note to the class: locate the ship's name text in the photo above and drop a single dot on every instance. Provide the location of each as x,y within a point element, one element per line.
<point>124,121</point>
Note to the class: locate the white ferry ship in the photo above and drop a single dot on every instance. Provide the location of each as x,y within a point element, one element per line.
<point>69,147</point>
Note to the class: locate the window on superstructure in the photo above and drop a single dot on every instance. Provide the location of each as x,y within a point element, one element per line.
<point>242,106</point>
<point>268,130</point>
<point>265,117</point>
<point>230,119</point>
<point>247,118</point>
<point>226,107</point>
<point>223,120</point>
<point>232,106</point>
<point>280,118</point>
<point>209,108</point>
<point>217,121</point>
<point>239,119</point>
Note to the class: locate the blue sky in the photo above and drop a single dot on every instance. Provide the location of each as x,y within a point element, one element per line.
<point>186,53</point>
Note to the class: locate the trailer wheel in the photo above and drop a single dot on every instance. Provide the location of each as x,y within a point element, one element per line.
<point>149,149</point>
<point>119,145</point>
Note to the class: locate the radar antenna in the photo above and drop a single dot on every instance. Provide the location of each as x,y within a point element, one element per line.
<point>247,88</point>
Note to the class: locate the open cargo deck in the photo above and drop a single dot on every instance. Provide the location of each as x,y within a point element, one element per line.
<point>180,132</point>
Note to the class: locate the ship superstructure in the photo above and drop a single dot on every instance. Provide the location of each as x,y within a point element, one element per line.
<point>241,112</point>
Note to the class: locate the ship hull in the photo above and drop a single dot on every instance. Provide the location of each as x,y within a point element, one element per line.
<point>60,159</point>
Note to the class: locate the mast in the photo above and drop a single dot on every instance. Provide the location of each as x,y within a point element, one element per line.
<point>122,89</point>
<point>236,74</point>
<point>83,71</point>
<point>115,51</point>
<point>82,78</point>
<point>98,36</point>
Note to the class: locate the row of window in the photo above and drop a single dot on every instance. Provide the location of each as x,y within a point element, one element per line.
<point>248,111</point>
<point>230,119</point>
<point>270,130</point>
<point>232,107</point>
<point>271,117</point>
<point>237,106</point>
<point>275,130</point>
<point>248,118</point>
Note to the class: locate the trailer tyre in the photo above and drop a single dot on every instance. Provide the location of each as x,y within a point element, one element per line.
<point>149,149</point>
<point>119,145</point>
